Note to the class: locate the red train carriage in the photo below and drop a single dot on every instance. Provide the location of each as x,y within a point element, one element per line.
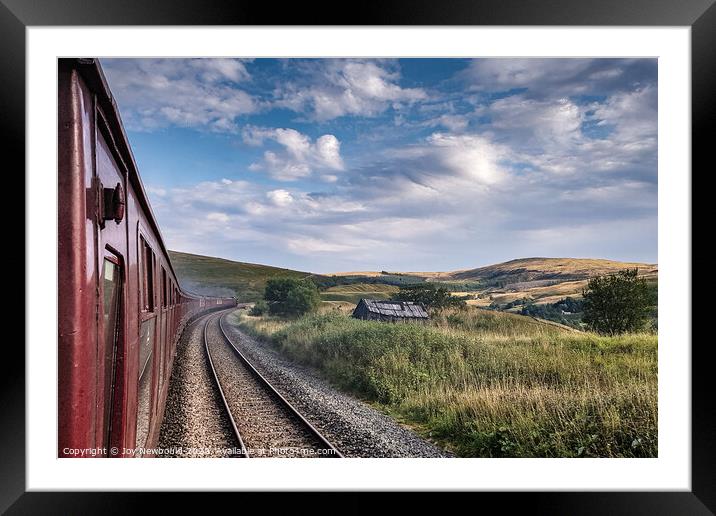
<point>121,310</point>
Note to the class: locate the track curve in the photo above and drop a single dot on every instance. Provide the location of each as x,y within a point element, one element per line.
<point>264,422</point>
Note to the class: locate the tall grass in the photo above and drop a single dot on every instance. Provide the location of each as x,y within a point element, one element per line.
<point>486,384</point>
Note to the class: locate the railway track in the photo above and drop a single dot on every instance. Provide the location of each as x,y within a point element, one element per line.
<point>264,422</point>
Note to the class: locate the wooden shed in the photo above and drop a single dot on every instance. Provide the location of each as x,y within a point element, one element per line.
<point>393,311</point>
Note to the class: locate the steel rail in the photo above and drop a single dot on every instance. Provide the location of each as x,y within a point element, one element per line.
<point>237,434</point>
<point>313,430</point>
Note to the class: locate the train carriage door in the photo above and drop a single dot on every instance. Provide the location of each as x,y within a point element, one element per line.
<point>110,188</point>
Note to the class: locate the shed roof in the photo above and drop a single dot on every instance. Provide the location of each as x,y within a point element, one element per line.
<point>406,309</point>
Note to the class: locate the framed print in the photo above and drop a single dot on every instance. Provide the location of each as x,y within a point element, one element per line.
<point>437,244</point>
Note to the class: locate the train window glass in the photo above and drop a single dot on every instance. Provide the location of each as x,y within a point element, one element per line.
<point>144,395</point>
<point>146,343</point>
<point>147,279</point>
<point>164,288</point>
<point>112,288</point>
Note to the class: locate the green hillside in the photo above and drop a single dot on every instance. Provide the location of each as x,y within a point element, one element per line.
<point>210,276</point>
<point>503,286</point>
<point>354,292</point>
<point>532,270</point>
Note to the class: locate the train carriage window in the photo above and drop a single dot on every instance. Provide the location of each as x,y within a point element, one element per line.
<point>147,279</point>
<point>146,345</point>
<point>164,288</point>
<point>112,296</point>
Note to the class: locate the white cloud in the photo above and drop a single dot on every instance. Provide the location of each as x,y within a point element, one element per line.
<point>317,245</point>
<point>340,87</point>
<point>217,69</point>
<point>633,113</point>
<point>544,120</point>
<point>297,144</point>
<point>155,190</point>
<point>507,73</point>
<point>217,217</point>
<point>280,167</point>
<point>451,190</point>
<point>539,172</point>
<point>611,73</point>
<point>197,93</point>
<point>470,156</point>
<point>328,152</point>
<point>280,197</point>
<point>444,164</point>
<point>299,156</point>
<point>547,134</point>
<point>453,122</point>
<point>548,77</point>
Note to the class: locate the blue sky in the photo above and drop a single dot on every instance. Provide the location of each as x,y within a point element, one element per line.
<point>399,164</point>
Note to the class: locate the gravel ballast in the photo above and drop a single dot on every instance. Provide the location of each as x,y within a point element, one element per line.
<point>195,422</point>
<point>266,425</point>
<point>355,428</point>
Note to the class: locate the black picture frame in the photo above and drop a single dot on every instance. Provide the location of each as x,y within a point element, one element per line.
<point>700,15</point>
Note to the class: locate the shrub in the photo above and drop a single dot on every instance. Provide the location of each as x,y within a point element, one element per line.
<point>617,303</point>
<point>260,308</point>
<point>291,296</point>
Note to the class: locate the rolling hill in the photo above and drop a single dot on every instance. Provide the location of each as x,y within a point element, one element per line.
<point>542,280</point>
<point>522,270</point>
<point>354,292</point>
<point>210,276</point>
<point>526,270</point>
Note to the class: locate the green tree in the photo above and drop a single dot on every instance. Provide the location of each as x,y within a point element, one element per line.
<point>430,295</point>
<point>291,296</point>
<point>260,307</point>
<point>617,303</point>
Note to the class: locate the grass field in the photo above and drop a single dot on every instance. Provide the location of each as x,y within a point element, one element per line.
<point>485,383</point>
<point>353,293</point>
<point>344,307</point>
